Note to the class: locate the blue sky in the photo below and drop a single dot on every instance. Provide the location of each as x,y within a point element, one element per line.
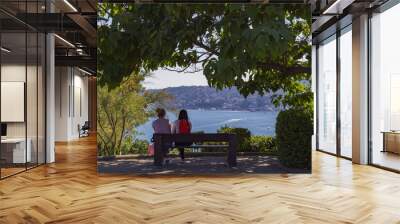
<point>164,78</point>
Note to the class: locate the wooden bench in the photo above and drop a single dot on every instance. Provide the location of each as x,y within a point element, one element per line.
<point>165,140</point>
<point>196,147</point>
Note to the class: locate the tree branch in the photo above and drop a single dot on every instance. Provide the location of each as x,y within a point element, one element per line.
<point>122,134</point>
<point>207,48</point>
<point>183,70</point>
<point>286,70</point>
<point>104,131</point>
<point>106,151</point>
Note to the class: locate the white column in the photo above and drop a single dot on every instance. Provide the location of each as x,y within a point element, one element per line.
<point>50,92</point>
<point>50,110</point>
<point>360,90</point>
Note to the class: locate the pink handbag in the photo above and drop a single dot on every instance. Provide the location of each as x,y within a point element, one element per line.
<point>150,149</point>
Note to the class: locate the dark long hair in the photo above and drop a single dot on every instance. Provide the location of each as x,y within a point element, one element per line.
<point>183,115</point>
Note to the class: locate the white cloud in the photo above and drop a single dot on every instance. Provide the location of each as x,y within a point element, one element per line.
<point>164,78</point>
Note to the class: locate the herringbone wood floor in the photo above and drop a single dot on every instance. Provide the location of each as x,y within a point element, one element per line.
<point>71,191</point>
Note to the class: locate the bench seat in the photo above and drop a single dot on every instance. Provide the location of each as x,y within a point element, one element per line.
<point>207,146</point>
<point>161,140</point>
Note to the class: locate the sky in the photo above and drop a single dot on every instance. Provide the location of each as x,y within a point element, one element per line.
<point>164,78</point>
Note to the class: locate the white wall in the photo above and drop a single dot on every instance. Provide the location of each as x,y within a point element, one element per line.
<point>61,103</point>
<point>33,126</point>
<point>12,73</point>
<point>71,94</point>
<point>80,96</point>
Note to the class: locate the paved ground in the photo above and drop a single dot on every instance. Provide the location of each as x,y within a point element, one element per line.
<point>196,166</point>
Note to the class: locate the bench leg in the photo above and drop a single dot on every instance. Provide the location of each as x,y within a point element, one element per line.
<point>232,152</point>
<point>158,152</point>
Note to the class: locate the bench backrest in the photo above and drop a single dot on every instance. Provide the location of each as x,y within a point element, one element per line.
<point>210,137</point>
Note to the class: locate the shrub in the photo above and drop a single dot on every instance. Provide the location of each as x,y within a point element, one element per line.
<point>134,146</point>
<point>294,128</point>
<point>140,146</point>
<point>265,144</point>
<point>243,137</point>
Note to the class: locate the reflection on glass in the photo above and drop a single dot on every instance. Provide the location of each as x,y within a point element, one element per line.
<point>395,102</point>
<point>385,89</point>
<point>327,96</point>
<point>41,99</point>
<point>31,101</point>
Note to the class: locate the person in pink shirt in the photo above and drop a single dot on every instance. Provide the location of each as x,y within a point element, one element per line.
<point>162,126</point>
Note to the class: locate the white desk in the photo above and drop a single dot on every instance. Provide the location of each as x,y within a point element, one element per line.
<point>18,151</point>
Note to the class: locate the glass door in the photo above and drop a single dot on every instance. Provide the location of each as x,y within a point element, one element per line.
<point>385,89</point>
<point>346,92</point>
<point>327,95</point>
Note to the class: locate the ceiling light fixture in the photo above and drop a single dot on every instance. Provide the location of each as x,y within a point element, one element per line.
<point>79,51</point>
<point>70,5</point>
<point>65,41</point>
<point>5,50</point>
<point>337,7</point>
<point>84,71</point>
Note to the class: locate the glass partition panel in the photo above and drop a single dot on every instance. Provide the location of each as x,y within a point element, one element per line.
<point>41,98</point>
<point>22,77</point>
<point>327,95</point>
<point>32,98</point>
<point>385,89</point>
<point>15,151</point>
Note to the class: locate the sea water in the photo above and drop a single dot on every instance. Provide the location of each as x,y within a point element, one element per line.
<point>209,121</point>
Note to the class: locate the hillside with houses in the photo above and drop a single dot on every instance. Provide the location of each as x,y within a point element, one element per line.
<point>204,97</point>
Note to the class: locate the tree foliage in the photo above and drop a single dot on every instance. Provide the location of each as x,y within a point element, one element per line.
<point>120,110</point>
<point>257,48</point>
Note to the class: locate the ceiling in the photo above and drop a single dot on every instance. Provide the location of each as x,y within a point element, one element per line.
<point>335,13</point>
<point>209,1</point>
<point>73,21</point>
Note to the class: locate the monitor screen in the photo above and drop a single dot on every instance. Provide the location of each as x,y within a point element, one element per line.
<point>3,129</point>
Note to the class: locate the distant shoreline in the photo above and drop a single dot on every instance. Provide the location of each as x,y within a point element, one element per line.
<point>228,110</point>
<point>208,98</point>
